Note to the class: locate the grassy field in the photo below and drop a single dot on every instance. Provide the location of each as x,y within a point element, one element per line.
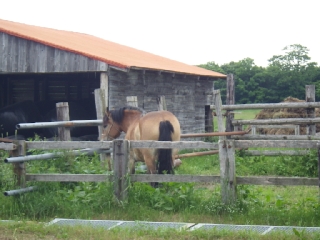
<point>240,114</point>
<point>180,202</point>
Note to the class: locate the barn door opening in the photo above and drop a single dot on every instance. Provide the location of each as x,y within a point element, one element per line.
<point>208,124</point>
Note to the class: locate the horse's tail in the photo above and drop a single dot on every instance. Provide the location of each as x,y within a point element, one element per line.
<point>165,154</point>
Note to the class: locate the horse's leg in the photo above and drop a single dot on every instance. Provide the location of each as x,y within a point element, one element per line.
<point>149,159</point>
<point>176,161</point>
<point>131,165</point>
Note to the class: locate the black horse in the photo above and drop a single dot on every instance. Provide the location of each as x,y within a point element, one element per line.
<point>29,112</point>
<point>22,112</point>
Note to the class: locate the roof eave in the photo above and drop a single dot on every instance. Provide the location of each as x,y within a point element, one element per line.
<point>182,73</point>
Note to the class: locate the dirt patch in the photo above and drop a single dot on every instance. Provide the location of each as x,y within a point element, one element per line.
<point>285,113</point>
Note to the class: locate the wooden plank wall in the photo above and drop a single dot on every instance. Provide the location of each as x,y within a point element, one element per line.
<point>25,56</point>
<point>186,96</point>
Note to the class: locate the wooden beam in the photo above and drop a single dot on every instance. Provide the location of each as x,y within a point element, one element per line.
<point>276,137</point>
<point>63,115</point>
<point>7,146</point>
<point>270,105</point>
<point>230,101</point>
<point>69,177</point>
<point>277,121</point>
<point>120,168</point>
<point>311,97</point>
<point>211,134</point>
<point>47,145</point>
<point>276,144</point>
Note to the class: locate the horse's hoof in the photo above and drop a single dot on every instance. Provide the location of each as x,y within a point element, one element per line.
<point>177,162</point>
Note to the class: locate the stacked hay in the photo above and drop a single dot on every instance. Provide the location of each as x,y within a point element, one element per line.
<point>285,113</point>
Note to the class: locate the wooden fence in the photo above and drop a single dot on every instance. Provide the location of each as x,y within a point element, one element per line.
<point>120,176</point>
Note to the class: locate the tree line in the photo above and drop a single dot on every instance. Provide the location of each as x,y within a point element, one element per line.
<point>286,75</point>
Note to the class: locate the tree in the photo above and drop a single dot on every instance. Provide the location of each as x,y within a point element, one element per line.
<point>295,59</point>
<point>286,75</point>
<point>294,71</point>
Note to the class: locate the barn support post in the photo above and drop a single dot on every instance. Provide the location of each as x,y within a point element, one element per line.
<point>311,97</point>
<point>226,157</point>
<point>209,127</point>
<point>230,101</point>
<point>162,105</point>
<point>19,168</point>
<point>101,98</point>
<point>63,115</point>
<point>120,167</point>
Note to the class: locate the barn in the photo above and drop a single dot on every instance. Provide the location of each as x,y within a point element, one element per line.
<point>44,66</point>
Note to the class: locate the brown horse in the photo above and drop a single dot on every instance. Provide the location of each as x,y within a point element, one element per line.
<point>138,125</point>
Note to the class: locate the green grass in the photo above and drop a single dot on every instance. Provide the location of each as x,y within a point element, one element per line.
<point>182,202</point>
<point>246,114</point>
<point>34,231</point>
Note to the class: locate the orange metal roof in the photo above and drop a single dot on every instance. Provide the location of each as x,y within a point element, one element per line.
<point>103,50</point>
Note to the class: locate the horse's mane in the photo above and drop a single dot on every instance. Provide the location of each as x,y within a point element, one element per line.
<point>117,114</point>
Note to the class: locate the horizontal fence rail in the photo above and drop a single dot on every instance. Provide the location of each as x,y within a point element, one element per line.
<point>187,135</point>
<point>277,153</point>
<point>19,191</point>
<point>276,144</point>
<point>76,123</point>
<point>7,146</point>
<point>276,137</point>
<point>177,145</point>
<point>108,144</point>
<point>277,121</point>
<point>68,144</point>
<point>269,105</point>
<point>69,177</point>
<point>46,156</point>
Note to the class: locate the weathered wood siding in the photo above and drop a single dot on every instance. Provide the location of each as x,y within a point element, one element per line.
<point>186,96</point>
<point>18,55</point>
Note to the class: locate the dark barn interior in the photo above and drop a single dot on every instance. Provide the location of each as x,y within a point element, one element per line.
<point>35,97</point>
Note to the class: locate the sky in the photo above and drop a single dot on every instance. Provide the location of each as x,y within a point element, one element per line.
<point>189,31</point>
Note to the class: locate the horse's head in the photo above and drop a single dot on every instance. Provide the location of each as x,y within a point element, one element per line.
<point>112,129</point>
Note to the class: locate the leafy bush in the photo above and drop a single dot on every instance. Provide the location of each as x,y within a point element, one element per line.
<point>300,166</point>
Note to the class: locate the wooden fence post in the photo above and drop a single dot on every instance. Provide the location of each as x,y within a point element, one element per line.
<point>19,169</point>
<point>311,97</point>
<point>120,168</point>
<point>253,129</point>
<point>230,101</point>
<point>63,115</point>
<point>218,106</point>
<point>227,171</point>
<point>297,130</point>
<point>226,157</point>
<point>162,105</point>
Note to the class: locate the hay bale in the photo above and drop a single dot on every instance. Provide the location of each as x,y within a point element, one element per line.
<point>285,113</point>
